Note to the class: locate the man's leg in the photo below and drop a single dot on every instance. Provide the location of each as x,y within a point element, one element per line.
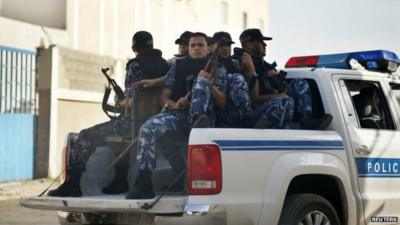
<point>279,112</point>
<point>238,111</point>
<point>199,112</point>
<point>300,91</point>
<point>149,133</point>
<point>85,145</point>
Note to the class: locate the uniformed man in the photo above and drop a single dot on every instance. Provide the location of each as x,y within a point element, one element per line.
<point>147,64</point>
<point>275,99</point>
<point>238,108</point>
<point>181,111</point>
<point>182,43</point>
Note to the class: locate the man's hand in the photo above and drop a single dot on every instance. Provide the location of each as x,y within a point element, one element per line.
<point>182,103</point>
<point>248,65</point>
<point>146,83</point>
<point>204,74</point>
<point>126,102</point>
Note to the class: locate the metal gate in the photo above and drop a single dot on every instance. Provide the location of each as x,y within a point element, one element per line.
<point>17,113</point>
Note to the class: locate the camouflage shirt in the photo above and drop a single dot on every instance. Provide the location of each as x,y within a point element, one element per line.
<point>133,75</point>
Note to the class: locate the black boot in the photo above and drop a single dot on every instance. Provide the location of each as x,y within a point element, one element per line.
<point>119,184</point>
<point>143,187</point>
<point>316,124</point>
<point>178,165</point>
<point>70,187</point>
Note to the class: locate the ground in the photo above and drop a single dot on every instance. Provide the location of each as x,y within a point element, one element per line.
<point>11,213</point>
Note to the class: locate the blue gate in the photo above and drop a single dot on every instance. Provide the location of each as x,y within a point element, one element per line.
<point>17,113</point>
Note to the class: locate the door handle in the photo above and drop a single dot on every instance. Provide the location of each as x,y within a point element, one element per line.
<point>363,149</point>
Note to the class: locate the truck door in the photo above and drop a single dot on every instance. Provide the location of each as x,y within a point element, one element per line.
<point>372,125</point>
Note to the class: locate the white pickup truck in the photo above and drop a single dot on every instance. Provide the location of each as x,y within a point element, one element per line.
<point>346,175</point>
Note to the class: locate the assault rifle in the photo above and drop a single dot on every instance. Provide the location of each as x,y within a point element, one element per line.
<point>118,92</point>
<point>111,82</point>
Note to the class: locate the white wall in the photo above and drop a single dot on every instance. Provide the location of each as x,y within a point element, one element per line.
<point>322,26</point>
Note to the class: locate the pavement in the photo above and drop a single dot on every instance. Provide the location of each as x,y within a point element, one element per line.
<point>11,213</point>
<point>23,189</point>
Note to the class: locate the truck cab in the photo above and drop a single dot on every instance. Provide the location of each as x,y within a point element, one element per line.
<point>347,174</point>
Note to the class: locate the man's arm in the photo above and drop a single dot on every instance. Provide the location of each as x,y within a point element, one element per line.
<point>257,97</point>
<point>219,96</point>
<point>148,83</point>
<point>165,100</point>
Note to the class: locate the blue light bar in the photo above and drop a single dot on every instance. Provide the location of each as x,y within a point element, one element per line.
<point>377,60</point>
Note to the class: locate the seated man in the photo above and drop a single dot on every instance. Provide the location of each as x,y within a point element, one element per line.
<point>273,97</point>
<point>237,112</point>
<point>147,64</point>
<point>180,114</point>
<point>366,106</point>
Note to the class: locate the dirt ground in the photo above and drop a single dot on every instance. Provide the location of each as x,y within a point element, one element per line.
<point>11,213</point>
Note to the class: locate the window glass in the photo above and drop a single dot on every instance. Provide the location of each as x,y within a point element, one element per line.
<point>370,104</point>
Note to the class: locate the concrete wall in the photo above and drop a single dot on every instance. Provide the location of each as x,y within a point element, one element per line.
<point>27,36</point>
<point>105,27</point>
<point>70,91</point>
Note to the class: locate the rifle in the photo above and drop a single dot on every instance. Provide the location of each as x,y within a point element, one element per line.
<point>118,91</point>
<point>213,60</point>
<point>111,82</point>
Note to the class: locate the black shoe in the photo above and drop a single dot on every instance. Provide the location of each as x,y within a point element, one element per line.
<point>143,187</point>
<point>261,123</point>
<point>119,184</point>
<point>70,187</point>
<point>317,124</point>
<point>201,121</point>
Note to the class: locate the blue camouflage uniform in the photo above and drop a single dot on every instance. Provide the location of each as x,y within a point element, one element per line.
<point>280,110</point>
<point>90,138</point>
<point>170,122</point>
<point>238,110</point>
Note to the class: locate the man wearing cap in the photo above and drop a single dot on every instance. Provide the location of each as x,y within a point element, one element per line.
<point>238,108</point>
<point>182,43</point>
<point>187,78</point>
<point>147,64</point>
<point>274,98</point>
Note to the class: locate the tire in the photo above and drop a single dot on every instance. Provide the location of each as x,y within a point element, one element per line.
<point>307,209</point>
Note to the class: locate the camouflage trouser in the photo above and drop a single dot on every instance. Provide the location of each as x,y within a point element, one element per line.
<point>238,108</point>
<point>279,112</point>
<point>155,128</point>
<point>300,91</point>
<point>90,138</point>
<point>172,122</point>
<point>202,101</point>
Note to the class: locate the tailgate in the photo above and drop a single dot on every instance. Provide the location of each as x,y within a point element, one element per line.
<point>118,203</point>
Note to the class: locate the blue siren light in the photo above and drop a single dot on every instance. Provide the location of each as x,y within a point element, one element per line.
<point>376,60</point>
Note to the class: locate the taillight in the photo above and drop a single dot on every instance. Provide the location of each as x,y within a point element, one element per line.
<point>204,170</point>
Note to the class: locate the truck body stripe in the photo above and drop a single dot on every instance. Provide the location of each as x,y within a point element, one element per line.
<point>278,145</point>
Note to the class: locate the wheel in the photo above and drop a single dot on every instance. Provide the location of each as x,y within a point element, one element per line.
<point>308,209</point>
